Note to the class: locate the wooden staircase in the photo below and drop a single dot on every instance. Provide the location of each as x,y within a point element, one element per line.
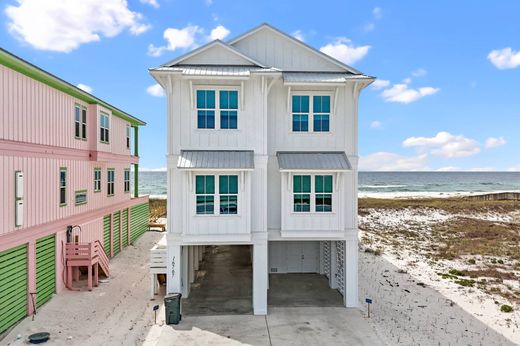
<point>90,255</point>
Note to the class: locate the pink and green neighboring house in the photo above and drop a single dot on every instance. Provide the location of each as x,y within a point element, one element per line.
<point>67,158</point>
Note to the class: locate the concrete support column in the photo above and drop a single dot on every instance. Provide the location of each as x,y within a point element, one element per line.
<point>191,264</point>
<point>201,249</point>
<point>351,272</point>
<point>184,272</point>
<point>333,282</point>
<point>259,278</point>
<point>173,269</point>
<point>196,258</point>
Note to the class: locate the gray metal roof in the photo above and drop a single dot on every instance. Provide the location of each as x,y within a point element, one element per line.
<point>216,159</point>
<point>313,160</point>
<point>215,70</point>
<point>319,77</point>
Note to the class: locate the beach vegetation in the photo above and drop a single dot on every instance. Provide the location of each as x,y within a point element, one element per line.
<point>506,308</point>
<point>456,272</point>
<point>471,261</point>
<point>465,282</point>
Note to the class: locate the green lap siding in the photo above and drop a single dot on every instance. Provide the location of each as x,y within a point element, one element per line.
<point>124,221</point>
<point>138,220</point>
<point>45,269</point>
<point>106,234</point>
<point>117,235</point>
<point>13,286</point>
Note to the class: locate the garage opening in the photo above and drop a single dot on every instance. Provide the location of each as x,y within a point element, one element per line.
<point>298,275</point>
<point>223,282</point>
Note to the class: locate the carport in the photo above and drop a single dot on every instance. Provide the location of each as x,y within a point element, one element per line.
<point>223,283</point>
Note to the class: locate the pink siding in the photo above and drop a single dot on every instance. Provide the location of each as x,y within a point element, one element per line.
<point>41,189</point>
<point>33,112</point>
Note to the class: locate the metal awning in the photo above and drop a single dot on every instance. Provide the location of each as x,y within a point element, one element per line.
<point>319,77</point>
<point>313,161</point>
<point>216,160</point>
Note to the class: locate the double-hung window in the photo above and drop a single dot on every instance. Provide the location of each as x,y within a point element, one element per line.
<point>63,186</point>
<point>205,191</point>
<point>206,109</point>
<point>97,179</point>
<point>302,115</point>
<point>127,180</point>
<point>127,136</point>
<point>80,122</point>
<point>228,190</point>
<point>110,181</point>
<point>316,197</point>
<point>321,113</point>
<point>302,193</point>
<point>228,105</point>
<point>323,197</point>
<point>104,127</point>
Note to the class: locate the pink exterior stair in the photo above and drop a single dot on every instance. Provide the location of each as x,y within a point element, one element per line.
<point>90,255</point>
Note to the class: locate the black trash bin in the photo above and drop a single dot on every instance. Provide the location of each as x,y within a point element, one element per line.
<point>172,304</point>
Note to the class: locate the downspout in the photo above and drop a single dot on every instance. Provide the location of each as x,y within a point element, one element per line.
<point>136,165</point>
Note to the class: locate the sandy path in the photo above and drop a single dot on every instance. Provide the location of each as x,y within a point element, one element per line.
<point>115,313</point>
<point>405,313</point>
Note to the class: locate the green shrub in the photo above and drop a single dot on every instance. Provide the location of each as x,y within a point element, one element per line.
<point>465,282</point>
<point>471,261</point>
<point>500,261</point>
<point>506,308</point>
<point>456,272</point>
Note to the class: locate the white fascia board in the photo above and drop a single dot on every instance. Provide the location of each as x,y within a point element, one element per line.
<point>216,170</point>
<point>314,171</point>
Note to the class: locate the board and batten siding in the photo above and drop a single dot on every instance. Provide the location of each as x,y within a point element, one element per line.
<point>33,112</point>
<point>45,269</point>
<point>41,189</point>
<point>139,220</point>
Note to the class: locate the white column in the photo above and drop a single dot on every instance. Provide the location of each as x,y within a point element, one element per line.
<point>184,275</point>
<point>351,298</point>
<point>333,282</point>
<point>260,278</point>
<point>173,269</point>
<point>200,252</point>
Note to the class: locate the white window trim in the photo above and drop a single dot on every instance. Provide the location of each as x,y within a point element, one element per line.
<point>101,114</point>
<point>128,137</point>
<point>81,123</point>
<point>125,190</point>
<point>216,195</point>
<point>333,97</point>
<point>217,89</point>
<point>313,194</point>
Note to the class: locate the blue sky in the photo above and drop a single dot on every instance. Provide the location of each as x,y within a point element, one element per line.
<point>446,99</point>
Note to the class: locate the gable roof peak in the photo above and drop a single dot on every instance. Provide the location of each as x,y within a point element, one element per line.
<point>268,26</point>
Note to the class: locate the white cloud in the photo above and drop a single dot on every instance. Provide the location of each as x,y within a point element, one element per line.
<point>482,169</point>
<point>343,50</point>
<point>449,169</point>
<point>177,39</point>
<point>376,124</point>
<point>219,33</point>
<point>63,25</point>
<point>407,80</point>
<point>377,12</point>
<point>385,161</point>
<point>515,168</point>
<point>380,84</point>
<point>155,90</point>
<point>159,169</point>
<point>208,2</point>
<point>85,87</point>
<point>505,58</point>
<point>493,142</point>
<point>403,94</point>
<point>369,27</point>
<point>152,3</point>
<point>444,144</point>
<point>298,34</point>
<point>420,72</point>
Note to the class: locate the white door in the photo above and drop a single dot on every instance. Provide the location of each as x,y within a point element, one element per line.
<point>294,251</point>
<point>310,257</point>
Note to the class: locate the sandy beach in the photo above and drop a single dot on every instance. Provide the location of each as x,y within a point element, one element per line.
<point>466,251</point>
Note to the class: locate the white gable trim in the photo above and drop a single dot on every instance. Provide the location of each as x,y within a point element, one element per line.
<point>207,46</point>
<point>298,42</point>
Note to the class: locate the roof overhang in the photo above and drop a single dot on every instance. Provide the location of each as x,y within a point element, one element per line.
<point>307,162</point>
<point>216,160</point>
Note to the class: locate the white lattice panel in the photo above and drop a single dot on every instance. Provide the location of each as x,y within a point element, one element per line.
<point>340,266</point>
<point>326,258</point>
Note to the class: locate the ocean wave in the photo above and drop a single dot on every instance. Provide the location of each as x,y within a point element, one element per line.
<point>381,186</point>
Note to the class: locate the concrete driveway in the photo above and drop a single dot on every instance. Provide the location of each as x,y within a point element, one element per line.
<point>283,326</point>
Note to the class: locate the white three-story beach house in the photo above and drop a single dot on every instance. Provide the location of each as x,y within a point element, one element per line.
<point>262,151</point>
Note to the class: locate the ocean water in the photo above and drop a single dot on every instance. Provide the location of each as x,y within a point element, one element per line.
<point>394,183</point>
